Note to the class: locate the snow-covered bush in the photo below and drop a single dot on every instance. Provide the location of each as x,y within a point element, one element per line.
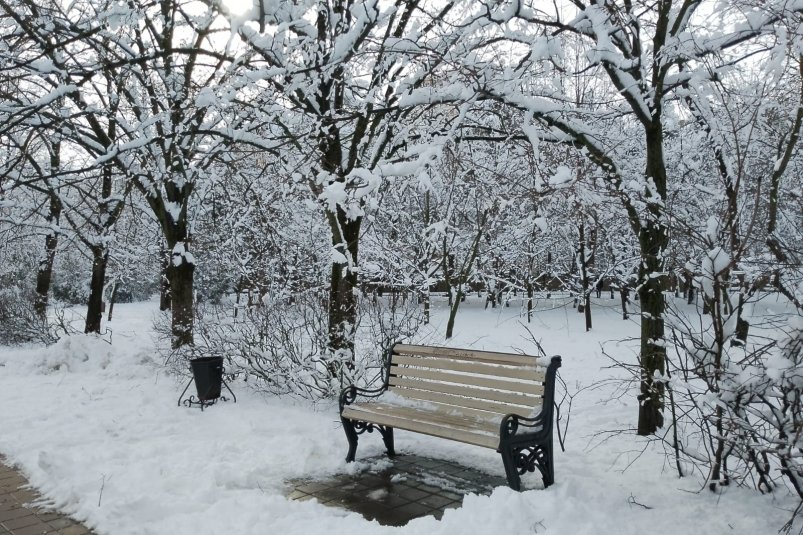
<point>71,278</point>
<point>19,322</point>
<point>280,345</point>
<point>384,321</point>
<point>735,402</point>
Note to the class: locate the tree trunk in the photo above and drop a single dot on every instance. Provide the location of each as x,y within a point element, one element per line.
<point>583,261</point>
<point>113,298</point>
<point>742,326</point>
<point>426,258</point>
<point>342,296</point>
<point>100,253</point>
<point>164,281</point>
<point>529,301</point>
<point>458,298</point>
<point>653,355</point>
<point>44,274</point>
<point>238,290</point>
<point>94,312</point>
<point>463,274</point>
<point>652,241</point>
<point>623,293</point>
<point>448,268</point>
<point>714,379</point>
<point>181,278</point>
<point>689,288</point>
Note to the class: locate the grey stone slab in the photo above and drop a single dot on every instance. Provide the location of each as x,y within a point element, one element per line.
<point>430,489</point>
<point>411,493</point>
<point>11,514</point>
<point>454,496</point>
<point>401,515</point>
<point>312,487</point>
<point>297,494</point>
<point>437,501</point>
<point>21,522</point>
<point>61,523</point>
<point>372,481</point>
<point>38,528</point>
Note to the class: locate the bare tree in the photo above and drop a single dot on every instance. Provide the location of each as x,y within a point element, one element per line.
<point>647,52</point>
<point>349,84</point>
<point>138,82</point>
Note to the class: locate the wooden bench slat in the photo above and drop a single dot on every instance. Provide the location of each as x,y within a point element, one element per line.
<point>479,393</point>
<point>371,410</point>
<point>467,412</point>
<point>530,373</point>
<point>471,380</point>
<point>464,402</point>
<point>422,426</point>
<point>454,417</point>
<point>464,354</point>
<point>487,421</point>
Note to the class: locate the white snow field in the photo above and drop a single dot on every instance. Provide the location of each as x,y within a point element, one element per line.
<point>96,429</point>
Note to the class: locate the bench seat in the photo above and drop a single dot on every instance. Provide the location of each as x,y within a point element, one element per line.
<point>434,423</point>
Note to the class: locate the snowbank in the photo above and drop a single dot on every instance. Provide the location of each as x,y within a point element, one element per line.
<point>96,429</point>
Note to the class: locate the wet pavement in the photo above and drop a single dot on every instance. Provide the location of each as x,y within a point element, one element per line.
<point>406,487</point>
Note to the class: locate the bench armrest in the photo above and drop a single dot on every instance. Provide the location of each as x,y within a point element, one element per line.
<point>543,420</point>
<point>349,394</point>
<point>511,423</point>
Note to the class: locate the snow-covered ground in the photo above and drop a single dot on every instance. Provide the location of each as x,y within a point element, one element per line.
<point>96,429</point>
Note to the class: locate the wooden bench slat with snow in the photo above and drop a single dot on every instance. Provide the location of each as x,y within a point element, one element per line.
<point>495,400</point>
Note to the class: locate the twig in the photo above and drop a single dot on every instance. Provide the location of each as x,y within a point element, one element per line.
<point>102,486</point>
<point>632,501</point>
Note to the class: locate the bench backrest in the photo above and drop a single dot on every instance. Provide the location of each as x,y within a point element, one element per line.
<point>478,383</point>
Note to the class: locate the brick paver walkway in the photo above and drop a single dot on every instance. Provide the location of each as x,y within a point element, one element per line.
<point>18,517</point>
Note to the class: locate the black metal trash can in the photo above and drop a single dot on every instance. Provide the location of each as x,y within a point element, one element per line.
<point>208,374</point>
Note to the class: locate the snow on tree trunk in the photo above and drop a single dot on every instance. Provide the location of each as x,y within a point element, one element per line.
<point>164,280</point>
<point>342,290</point>
<point>180,273</point>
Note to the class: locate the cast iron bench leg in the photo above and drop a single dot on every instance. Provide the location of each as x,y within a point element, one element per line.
<point>508,459</point>
<point>526,458</point>
<point>545,463</point>
<point>387,438</point>
<point>351,436</point>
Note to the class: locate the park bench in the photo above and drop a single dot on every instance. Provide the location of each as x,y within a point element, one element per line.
<point>500,401</point>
